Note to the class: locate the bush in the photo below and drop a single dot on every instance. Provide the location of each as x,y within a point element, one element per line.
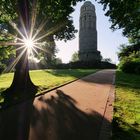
<point>130,65</point>
<point>86,65</point>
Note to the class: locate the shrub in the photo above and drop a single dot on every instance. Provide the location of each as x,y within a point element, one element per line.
<point>130,64</point>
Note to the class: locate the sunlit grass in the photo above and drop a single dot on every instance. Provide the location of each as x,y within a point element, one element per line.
<point>126,122</point>
<point>6,80</point>
<point>48,78</point>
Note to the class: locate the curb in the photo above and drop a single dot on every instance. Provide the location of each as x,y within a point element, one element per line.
<point>106,126</point>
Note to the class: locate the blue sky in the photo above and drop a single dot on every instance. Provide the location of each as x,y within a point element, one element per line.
<point>108,41</point>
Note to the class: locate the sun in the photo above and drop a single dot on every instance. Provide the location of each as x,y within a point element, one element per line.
<point>28,43</point>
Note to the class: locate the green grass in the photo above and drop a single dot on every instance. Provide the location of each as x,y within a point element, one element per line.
<point>5,80</point>
<point>45,79</point>
<point>126,120</point>
<point>48,78</point>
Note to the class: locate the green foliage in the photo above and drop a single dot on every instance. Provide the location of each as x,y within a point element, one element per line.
<point>2,67</point>
<point>129,56</point>
<point>131,64</point>
<point>126,50</point>
<point>124,14</point>
<point>50,49</point>
<point>54,13</point>
<point>107,60</point>
<point>7,55</point>
<point>75,57</point>
<point>57,61</point>
<point>126,119</point>
<point>52,16</point>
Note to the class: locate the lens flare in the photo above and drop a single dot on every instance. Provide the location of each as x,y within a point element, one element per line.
<point>29,43</point>
<point>32,39</point>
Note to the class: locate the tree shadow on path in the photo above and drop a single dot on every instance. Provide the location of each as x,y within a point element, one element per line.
<point>58,118</point>
<point>52,116</point>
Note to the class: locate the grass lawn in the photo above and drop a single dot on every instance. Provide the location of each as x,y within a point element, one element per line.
<point>126,121</point>
<point>47,79</point>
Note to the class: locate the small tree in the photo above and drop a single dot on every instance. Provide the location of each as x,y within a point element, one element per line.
<point>126,50</point>
<point>107,60</point>
<point>75,57</point>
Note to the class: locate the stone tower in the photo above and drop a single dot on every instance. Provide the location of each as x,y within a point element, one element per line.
<point>88,34</point>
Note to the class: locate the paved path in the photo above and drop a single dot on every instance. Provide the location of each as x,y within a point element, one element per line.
<point>81,110</point>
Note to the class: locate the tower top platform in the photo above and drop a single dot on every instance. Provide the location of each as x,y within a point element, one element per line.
<point>87,6</point>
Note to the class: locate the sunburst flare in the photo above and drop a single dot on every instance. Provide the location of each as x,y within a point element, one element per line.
<point>30,39</point>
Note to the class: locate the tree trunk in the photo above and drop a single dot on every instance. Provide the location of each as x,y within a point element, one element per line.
<point>21,81</point>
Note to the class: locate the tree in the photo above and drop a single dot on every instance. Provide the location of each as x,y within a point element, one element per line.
<point>124,14</point>
<point>6,52</point>
<point>107,60</point>
<point>49,54</point>
<point>129,56</point>
<point>75,57</point>
<point>7,55</point>
<point>23,14</point>
<point>126,50</point>
<point>57,61</point>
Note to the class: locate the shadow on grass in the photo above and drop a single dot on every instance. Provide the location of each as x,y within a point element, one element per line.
<point>71,72</point>
<point>11,96</point>
<point>52,116</point>
<point>128,80</point>
<point>102,77</point>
